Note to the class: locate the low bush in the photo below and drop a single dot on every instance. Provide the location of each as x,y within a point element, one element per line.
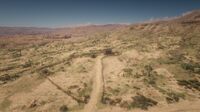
<point>187,66</point>
<point>142,102</point>
<point>127,72</point>
<point>174,97</point>
<point>7,77</point>
<point>191,66</point>
<point>45,72</point>
<point>108,51</point>
<point>111,101</point>
<point>16,54</point>
<point>63,108</point>
<point>190,84</point>
<point>27,64</point>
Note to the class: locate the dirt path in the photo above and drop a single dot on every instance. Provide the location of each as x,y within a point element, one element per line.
<point>97,91</point>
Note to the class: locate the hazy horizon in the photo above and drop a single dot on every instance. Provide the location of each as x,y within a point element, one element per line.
<point>52,13</point>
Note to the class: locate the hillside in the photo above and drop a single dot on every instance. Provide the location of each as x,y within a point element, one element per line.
<point>7,31</point>
<point>144,67</point>
<point>77,31</point>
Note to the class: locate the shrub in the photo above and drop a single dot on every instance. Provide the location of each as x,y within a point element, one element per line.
<point>27,64</point>
<point>142,102</point>
<point>187,66</point>
<point>16,54</point>
<point>108,51</point>
<point>197,70</point>
<point>114,101</point>
<point>190,84</point>
<point>193,67</point>
<point>7,77</point>
<point>174,97</point>
<point>148,69</point>
<point>150,75</point>
<point>67,36</point>
<point>127,72</point>
<point>45,72</point>
<point>63,108</point>
<point>92,54</point>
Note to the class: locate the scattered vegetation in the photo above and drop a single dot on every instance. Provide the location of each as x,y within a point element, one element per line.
<point>174,97</point>
<point>16,54</point>
<point>178,51</point>
<point>27,64</point>
<point>139,101</point>
<point>193,67</point>
<point>84,93</point>
<point>111,101</point>
<point>7,77</point>
<point>92,54</point>
<point>127,72</point>
<point>45,72</point>
<point>63,108</point>
<point>142,102</point>
<point>147,70</point>
<point>150,75</point>
<point>7,68</point>
<point>108,51</point>
<point>190,84</point>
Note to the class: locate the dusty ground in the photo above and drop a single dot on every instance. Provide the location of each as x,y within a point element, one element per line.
<point>151,67</point>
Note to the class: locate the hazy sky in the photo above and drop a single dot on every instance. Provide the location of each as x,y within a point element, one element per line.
<point>55,13</point>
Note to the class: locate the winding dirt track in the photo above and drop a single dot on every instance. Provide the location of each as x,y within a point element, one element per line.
<point>97,91</point>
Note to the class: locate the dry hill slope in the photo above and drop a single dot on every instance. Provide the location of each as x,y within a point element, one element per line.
<point>149,67</point>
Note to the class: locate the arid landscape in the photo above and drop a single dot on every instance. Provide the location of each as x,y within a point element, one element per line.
<point>151,66</point>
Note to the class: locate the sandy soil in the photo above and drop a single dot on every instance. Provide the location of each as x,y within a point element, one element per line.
<point>97,87</point>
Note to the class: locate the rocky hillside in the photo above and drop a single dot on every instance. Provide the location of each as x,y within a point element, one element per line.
<point>153,67</point>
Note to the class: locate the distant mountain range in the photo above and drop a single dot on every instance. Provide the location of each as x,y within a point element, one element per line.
<point>189,17</point>
<point>8,31</point>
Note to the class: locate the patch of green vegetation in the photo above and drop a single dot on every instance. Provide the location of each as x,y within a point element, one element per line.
<point>91,54</point>
<point>45,72</point>
<point>187,66</point>
<point>27,64</point>
<point>85,92</point>
<point>190,84</point>
<point>63,108</point>
<point>7,68</point>
<point>7,77</point>
<point>167,60</point>
<point>142,102</point>
<point>193,67</point>
<point>127,72</point>
<point>111,101</point>
<point>173,97</point>
<point>154,80</point>
<point>174,57</point>
<point>148,69</point>
<point>108,51</point>
<point>150,75</point>
<point>16,54</point>
<point>77,107</point>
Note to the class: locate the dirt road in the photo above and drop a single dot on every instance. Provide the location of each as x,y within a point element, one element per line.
<point>97,91</point>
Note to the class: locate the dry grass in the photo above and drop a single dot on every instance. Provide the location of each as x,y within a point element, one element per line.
<point>144,65</point>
